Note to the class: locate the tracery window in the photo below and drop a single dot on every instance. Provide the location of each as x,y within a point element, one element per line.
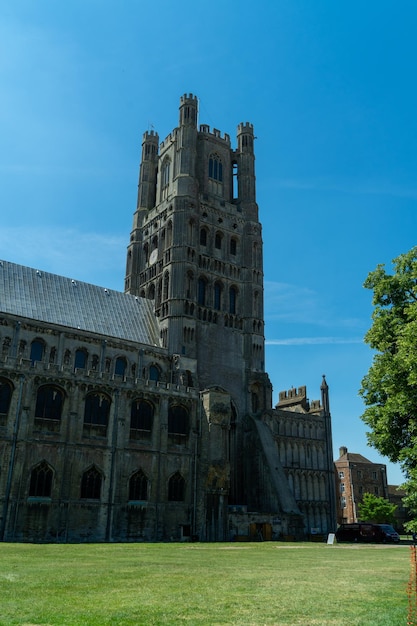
<point>138,486</point>
<point>215,175</point>
<point>215,168</point>
<point>176,488</point>
<point>49,402</point>
<point>165,177</point>
<point>41,481</point>
<point>141,415</point>
<point>91,484</point>
<point>97,409</point>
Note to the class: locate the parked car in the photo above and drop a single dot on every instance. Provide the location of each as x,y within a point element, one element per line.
<point>364,532</point>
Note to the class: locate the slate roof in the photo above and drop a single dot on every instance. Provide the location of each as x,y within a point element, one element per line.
<point>53,299</point>
<point>353,457</point>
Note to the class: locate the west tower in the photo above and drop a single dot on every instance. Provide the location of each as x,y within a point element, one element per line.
<point>196,250</point>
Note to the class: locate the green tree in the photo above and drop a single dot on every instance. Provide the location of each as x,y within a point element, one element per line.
<point>389,389</point>
<point>376,509</point>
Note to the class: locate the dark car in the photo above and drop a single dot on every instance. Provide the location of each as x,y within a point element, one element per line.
<point>390,534</point>
<point>364,532</point>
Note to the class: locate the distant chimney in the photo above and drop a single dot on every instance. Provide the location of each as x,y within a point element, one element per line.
<point>342,451</point>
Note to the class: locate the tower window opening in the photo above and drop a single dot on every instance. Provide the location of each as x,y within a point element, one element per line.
<point>202,288</point>
<point>232,300</point>
<point>215,168</point>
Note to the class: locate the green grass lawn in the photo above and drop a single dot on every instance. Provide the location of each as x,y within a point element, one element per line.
<point>305,584</point>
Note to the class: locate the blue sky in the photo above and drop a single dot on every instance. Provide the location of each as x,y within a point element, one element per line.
<point>331,90</point>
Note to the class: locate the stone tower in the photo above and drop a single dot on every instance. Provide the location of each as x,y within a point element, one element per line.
<point>196,250</point>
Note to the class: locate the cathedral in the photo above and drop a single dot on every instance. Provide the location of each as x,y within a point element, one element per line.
<point>147,415</point>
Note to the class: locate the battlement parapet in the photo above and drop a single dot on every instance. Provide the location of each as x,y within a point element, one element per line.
<point>293,394</point>
<point>150,135</point>
<point>168,139</point>
<point>216,134</point>
<point>245,127</point>
<point>186,97</point>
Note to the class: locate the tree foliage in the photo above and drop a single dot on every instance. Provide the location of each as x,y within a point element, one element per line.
<point>389,389</point>
<point>376,509</point>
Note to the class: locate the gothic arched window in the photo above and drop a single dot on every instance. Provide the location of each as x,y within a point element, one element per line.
<point>80,361</point>
<point>203,237</point>
<point>141,415</point>
<point>233,246</point>
<point>217,296</point>
<point>215,168</point>
<point>138,486</point>
<point>37,350</point>
<point>202,289</point>
<point>120,366</point>
<point>41,481</point>
<point>97,409</point>
<point>91,484</point>
<point>178,424</point>
<point>232,300</point>
<point>49,402</point>
<point>154,373</point>
<point>176,488</point>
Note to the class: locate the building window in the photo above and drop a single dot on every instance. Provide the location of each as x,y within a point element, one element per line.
<point>203,237</point>
<point>374,475</point>
<point>41,481</point>
<point>120,366</point>
<point>166,166</point>
<point>359,473</point>
<point>233,246</point>
<point>217,296</point>
<point>37,350</point>
<point>165,294</point>
<point>49,403</point>
<point>376,491</point>
<point>341,474</point>
<point>342,487</point>
<point>138,486</point>
<point>177,424</point>
<point>141,415</point>
<point>6,391</point>
<point>97,409</point>
<point>232,300</point>
<point>343,502</point>
<point>176,488</point>
<point>202,288</point>
<point>91,484</point>
<point>215,168</point>
<point>154,373</point>
<point>218,241</point>
<point>80,361</point>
